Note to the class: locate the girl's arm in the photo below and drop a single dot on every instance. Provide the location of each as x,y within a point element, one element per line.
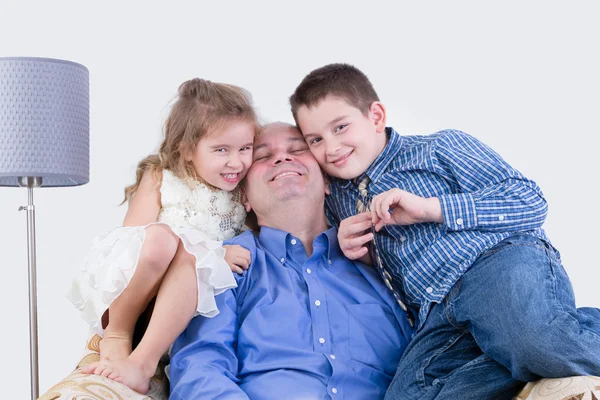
<point>145,204</point>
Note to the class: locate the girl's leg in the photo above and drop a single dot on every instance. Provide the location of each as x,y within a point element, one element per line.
<point>158,250</point>
<point>175,305</point>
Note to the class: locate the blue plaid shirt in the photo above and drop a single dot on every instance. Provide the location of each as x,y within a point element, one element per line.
<point>483,199</point>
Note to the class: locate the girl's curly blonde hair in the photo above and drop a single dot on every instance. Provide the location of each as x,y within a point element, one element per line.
<point>202,107</point>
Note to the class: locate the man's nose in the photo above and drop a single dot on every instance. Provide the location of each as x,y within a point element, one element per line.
<point>282,156</point>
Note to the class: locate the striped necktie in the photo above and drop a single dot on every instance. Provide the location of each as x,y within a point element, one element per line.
<point>363,197</point>
<point>362,205</point>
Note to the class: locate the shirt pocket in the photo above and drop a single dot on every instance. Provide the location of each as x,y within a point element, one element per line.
<point>374,337</point>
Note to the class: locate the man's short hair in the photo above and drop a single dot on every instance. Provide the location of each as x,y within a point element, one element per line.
<point>339,80</point>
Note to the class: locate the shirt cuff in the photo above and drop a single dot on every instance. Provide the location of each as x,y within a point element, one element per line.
<point>458,211</point>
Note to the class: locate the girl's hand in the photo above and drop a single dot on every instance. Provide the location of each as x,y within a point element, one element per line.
<point>237,257</point>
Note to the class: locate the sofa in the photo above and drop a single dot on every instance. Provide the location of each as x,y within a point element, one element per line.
<point>79,386</point>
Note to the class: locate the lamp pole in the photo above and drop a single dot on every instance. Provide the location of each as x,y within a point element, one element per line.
<point>44,142</point>
<point>30,183</point>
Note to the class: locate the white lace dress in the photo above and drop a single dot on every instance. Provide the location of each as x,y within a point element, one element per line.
<point>201,217</point>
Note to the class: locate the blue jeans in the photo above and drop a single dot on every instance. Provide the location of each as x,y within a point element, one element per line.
<point>511,318</point>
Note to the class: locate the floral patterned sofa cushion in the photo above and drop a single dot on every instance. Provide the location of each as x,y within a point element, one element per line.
<point>571,388</point>
<point>79,386</point>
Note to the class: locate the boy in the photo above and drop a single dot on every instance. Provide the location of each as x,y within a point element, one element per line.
<point>457,237</point>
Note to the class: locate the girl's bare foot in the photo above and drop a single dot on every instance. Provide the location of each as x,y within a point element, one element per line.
<point>115,345</point>
<point>130,372</point>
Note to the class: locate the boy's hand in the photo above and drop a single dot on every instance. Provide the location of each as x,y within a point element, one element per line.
<point>407,209</point>
<point>237,257</point>
<point>354,233</point>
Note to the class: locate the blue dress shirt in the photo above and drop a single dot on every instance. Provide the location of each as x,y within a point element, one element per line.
<point>483,199</point>
<point>296,327</point>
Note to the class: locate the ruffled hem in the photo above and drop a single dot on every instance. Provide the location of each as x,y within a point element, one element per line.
<point>112,260</point>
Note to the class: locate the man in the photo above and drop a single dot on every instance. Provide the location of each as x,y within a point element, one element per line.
<point>304,322</point>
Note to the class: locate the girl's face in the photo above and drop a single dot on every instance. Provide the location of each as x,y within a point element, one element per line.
<point>222,158</point>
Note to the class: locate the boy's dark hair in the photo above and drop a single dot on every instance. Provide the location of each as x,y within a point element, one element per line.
<point>339,80</point>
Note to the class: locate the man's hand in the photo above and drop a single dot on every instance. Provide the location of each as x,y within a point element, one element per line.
<point>237,257</point>
<point>354,233</point>
<point>407,209</point>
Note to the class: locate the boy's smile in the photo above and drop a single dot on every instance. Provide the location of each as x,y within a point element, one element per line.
<point>343,140</point>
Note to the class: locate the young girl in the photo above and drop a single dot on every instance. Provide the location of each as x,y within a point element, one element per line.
<point>184,203</point>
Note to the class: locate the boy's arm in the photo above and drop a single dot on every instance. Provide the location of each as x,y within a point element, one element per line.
<point>492,196</point>
<point>204,361</point>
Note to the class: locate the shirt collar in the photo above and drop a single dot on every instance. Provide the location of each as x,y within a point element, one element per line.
<point>333,247</point>
<point>276,241</point>
<point>378,167</point>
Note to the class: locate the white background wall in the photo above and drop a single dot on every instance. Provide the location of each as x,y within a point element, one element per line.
<point>522,76</point>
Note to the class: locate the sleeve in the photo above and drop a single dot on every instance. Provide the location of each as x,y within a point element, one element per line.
<point>204,362</point>
<point>489,195</point>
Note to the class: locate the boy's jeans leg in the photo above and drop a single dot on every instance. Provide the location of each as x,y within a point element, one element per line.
<point>443,361</point>
<point>518,304</point>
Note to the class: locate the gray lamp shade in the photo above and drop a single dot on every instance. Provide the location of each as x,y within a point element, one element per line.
<point>44,121</point>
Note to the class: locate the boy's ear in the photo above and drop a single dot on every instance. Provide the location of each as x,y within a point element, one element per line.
<point>377,113</point>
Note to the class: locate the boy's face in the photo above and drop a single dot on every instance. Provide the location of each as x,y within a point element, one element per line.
<point>343,140</point>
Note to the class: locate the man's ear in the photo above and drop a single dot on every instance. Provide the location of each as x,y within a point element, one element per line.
<point>377,114</point>
<point>327,183</point>
<point>245,201</point>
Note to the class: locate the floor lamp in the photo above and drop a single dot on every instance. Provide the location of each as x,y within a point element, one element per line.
<point>44,142</point>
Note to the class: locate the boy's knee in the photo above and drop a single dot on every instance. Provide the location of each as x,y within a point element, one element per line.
<point>549,350</point>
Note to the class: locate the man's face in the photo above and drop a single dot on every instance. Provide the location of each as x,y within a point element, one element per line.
<point>343,140</point>
<point>283,169</point>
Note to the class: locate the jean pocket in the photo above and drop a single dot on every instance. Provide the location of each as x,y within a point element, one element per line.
<point>374,336</point>
<point>457,351</point>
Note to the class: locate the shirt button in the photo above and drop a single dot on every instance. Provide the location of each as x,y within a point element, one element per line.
<point>332,356</point>
<point>308,271</point>
<point>501,217</point>
<point>459,221</point>
<point>317,303</point>
<point>282,260</point>
<point>321,340</point>
<point>333,390</point>
<point>402,238</point>
<point>329,261</point>
<point>429,290</point>
<point>293,241</point>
